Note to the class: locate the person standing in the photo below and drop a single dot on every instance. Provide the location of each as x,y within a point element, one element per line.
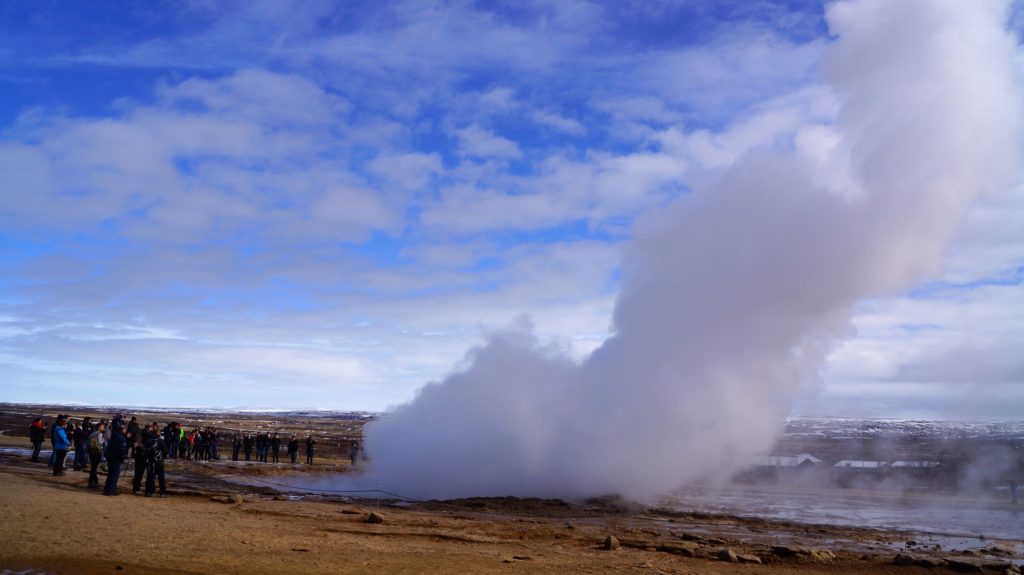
<point>353,453</point>
<point>95,445</point>
<point>200,445</point>
<point>139,456</point>
<point>247,446</point>
<point>36,434</point>
<point>60,446</point>
<point>293,449</point>
<point>275,444</point>
<point>211,444</point>
<point>78,438</point>
<point>155,450</point>
<point>115,451</point>
<point>53,431</point>
<point>236,445</point>
<point>87,428</point>
<point>172,446</point>
<point>261,447</point>
<point>310,442</point>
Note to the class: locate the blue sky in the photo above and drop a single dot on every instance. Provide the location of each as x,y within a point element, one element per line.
<point>301,204</point>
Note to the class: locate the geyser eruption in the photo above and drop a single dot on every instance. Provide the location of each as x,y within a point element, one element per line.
<point>732,295</point>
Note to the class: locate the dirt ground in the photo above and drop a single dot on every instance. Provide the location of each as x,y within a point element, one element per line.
<point>55,525</point>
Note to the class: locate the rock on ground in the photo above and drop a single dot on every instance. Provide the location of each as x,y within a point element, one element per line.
<point>611,543</point>
<point>728,555</point>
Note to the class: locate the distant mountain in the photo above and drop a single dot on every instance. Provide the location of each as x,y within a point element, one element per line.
<point>846,427</point>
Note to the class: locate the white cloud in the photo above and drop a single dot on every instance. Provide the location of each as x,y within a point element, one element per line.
<point>204,193</point>
<point>477,142</point>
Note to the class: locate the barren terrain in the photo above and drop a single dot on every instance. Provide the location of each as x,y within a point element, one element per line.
<point>225,517</point>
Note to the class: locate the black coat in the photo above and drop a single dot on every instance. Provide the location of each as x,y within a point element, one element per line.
<point>36,434</point>
<point>117,448</point>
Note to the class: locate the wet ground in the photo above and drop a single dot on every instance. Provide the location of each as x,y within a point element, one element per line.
<point>956,517</point>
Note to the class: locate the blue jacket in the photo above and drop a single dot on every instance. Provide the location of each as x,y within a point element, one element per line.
<point>60,439</point>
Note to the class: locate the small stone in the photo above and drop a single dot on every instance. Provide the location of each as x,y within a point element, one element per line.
<point>754,559</point>
<point>236,499</point>
<point>822,555</point>
<point>684,548</point>
<point>611,543</point>
<point>903,559</point>
<point>785,551</point>
<point>374,518</point>
<point>728,555</point>
<point>219,499</point>
<point>964,565</point>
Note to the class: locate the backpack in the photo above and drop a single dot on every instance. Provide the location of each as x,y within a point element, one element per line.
<point>95,447</point>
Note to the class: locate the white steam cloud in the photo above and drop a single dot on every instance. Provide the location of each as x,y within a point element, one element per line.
<point>732,295</point>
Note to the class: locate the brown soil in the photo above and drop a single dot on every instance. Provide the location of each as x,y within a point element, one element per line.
<point>56,525</point>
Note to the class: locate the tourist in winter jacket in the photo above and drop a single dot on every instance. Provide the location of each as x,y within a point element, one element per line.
<point>310,442</point>
<point>95,444</point>
<point>81,435</point>
<point>60,446</point>
<point>247,444</point>
<point>261,445</point>
<point>293,449</point>
<point>170,440</point>
<point>155,451</point>
<point>115,452</point>
<point>275,444</point>
<point>87,428</point>
<point>53,449</point>
<point>139,457</point>
<point>36,434</point>
<point>211,443</point>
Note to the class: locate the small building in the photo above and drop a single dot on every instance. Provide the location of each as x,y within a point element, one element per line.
<point>861,464</point>
<point>915,464</point>
<point>801,460</point>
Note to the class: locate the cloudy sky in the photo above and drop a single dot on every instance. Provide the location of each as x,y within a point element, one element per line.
<point>321,204</point>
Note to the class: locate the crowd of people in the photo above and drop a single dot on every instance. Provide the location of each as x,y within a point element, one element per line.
<point>112,442</point>
<point>120,440</point>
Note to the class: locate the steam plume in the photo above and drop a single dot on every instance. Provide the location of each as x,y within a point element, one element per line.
<point>732,295</point>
